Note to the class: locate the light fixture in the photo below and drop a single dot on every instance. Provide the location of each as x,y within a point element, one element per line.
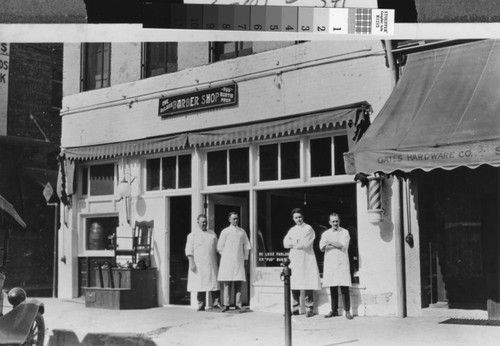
<point>124,189</point>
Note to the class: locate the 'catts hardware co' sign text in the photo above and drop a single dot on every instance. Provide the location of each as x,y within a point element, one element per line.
<point>214,97</point>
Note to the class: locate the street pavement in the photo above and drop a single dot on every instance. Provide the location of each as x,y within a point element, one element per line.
<point>69,323</point>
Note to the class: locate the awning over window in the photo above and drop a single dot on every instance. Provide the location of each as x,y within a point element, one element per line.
<point>443,113</point>
<point>355,117</point>
<point>146,146</point>
<point>351,116</point>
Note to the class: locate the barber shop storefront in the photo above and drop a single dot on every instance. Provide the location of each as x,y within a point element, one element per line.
<point>258,142</point>
<point>436,142</point>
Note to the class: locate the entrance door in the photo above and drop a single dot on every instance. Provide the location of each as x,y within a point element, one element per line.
<point>459,225</point>
<point>219,207</point>
<point>180,227</point>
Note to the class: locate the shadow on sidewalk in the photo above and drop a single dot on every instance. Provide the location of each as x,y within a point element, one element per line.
<point>62,337</point>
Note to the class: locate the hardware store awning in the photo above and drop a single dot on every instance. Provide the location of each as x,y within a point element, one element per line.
<point>443,113</point>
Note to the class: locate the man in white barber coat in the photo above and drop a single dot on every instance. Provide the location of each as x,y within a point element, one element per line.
<point>305,273</point>
<point>336,273</point>
<point>234,248</point>
<point>201,251</point>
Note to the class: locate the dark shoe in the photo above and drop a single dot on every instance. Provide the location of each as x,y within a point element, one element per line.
<point>224,308</point>
<point>240,308</point>
<point>331,314</point>
<point>348,315</point>
<point>309,313</point>
<point>201,308</point>
<point>216,306</point>
<point>296,312</point>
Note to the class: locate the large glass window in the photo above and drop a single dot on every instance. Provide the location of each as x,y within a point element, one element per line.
<point>96,60</point>
<point>323,163</point>
<point>170,172</point>
<point>98,180</point>
<point>280,161</point>
<point>229,50</point>
<point>159,58</point>
<point>274,220</point>
<point>98,231</point>
<point>224,164</point>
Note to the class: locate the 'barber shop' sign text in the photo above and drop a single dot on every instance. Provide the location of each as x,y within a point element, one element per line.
<point>200,100</point>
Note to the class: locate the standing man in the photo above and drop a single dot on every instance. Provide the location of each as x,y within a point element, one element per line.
<point>335,243</point>
<point>201,251</point>
<point>305,273</point>
<point>234,248</point>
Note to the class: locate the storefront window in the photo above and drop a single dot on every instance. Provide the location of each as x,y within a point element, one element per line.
<point>98,232</point>
<point>268,159</point>
<point>184,171</point>
<point>85,181</point>
<point>217,167</point>
<point>321,157</point>
<point>274,219</point>
<point>290,160</point>
<point>341,146</point>
<point>238,166</point>
<point>279,161</point>
<point>102,179</point>
<point>322,162</point>
<point>153,174</point>
<point>169,172</point>
<point>224,164</point>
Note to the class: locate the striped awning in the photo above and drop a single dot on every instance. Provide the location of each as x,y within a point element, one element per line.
<point>130,148</point>
<point>349,116</point>
<point>354,117</point>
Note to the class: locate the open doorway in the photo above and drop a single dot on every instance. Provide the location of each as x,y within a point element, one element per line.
<point>219,207</point>
<point>180,227</point>
<point>459,223</point>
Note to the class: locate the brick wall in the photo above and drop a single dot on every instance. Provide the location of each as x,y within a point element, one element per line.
<point>33,89</point>
<point>27,163</point>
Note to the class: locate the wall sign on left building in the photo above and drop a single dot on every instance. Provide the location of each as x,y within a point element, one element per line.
<point>217,97</point>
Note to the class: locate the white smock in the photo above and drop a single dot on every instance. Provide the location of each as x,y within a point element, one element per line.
<point>305,273</point>
<point>202,245</point>
<point>234,248</point>
<point>336,271</point>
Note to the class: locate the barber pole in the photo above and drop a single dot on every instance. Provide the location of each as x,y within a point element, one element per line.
<point>374,193</point>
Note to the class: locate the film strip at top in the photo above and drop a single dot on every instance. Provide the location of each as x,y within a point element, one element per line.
<point>364,21</point>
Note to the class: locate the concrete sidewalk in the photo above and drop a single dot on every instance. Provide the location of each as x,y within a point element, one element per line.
<point>69,323</point>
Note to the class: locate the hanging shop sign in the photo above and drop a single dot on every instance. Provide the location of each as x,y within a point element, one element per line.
<point>223,96</point>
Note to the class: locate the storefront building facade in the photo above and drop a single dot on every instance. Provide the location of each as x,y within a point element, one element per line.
<point>439,134</point>
<point>258,128</point>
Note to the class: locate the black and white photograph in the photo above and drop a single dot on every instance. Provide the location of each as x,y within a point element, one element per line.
<point>169,184</point>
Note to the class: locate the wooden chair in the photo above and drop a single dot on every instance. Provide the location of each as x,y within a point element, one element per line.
<point>138,245</point>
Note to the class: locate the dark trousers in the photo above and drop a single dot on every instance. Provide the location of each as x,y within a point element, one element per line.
<point>334,296</point>
<point>237,292</point>
<point>309,299</point>
<point>202,297</point>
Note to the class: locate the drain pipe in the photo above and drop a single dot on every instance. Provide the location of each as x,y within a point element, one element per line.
<point>400,248</point>
<point>399,210</point>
